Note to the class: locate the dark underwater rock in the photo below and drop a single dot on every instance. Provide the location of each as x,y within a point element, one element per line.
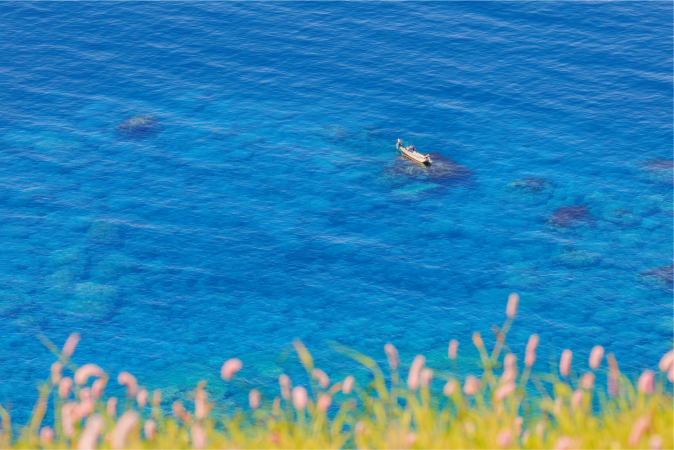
<point>531,185</point>
<point>528,190</point>
<point>137,125</point>
<point>334,133</point>
<point>659,169</point>
<point>659,275</point>
<point>570,216</point>
<point>442,170</point>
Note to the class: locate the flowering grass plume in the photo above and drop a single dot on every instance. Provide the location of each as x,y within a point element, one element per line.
<point>508,405</point>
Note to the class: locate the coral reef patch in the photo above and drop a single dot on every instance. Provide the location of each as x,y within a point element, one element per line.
<point>94,300</point>
<point>659,275</point>
<point>530,190</point>
<point>659,169</point>
<point>137,125</point>
<point>443,171</point>
<point>570,216</point>
<point>573,257</point>
<point>103,232</point>
<point>620,216</point>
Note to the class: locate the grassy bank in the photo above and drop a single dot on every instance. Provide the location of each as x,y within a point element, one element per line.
<point>509,405</point>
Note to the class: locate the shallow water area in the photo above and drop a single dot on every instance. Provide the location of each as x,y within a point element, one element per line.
<point>186,183</point>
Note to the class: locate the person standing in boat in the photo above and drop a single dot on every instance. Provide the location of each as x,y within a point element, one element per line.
<point>400,144</point>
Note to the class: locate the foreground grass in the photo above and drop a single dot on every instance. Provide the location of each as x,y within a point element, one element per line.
<point>495,410</point>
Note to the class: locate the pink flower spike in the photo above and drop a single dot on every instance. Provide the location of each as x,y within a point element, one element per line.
<point>200,403</point>
<point>286,385</point>
<point>56,369</point>
<point>124,425</point>
<point>392,356</point>
<point>425,377</point>
<point>128,380</point>
<point>64,387</point>
<point>324,402</point>
<point>646,383</point>
<point>577,398</point>
<point>509,361</point>
<point>450,388</point>
<point>92,429</point>
<point>530,355</point>
<point>640,425</point>
<point>156,398</point>
<point>565,363</point>
<point>46,436</point>
<point>347,385</point>
<point>563,443</point>
<point>504,391</point>
<point>453,349</point>
<point>504,438</point>
<point>198,436</point>
<point>111,407</point>
<point>86,405</point>
<point>141,398</point>
<point>88,370</point>
<point>612,385</point>
<point>97,388</point>
<point>229,368</point>
<point>415,372</point>
<point>254,399</point>
<point>321,377</point>
<point>69,346</point>
<point>587,380</point>
<point>68,419</point>
<point>667,361</point>
<point>471,386</point>
<point>508,376</point>
<point>655,442</point>
<point>518,425</point>
<point>596,355</point>
<point>410,439</point>
<point>149,428</point>
<point>300,397</point>
<point>511,309</point>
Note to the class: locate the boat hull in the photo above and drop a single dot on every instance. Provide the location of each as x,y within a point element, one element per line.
<point>415,156</point>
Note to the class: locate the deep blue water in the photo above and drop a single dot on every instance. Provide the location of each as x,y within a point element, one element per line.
<point>268,203</point>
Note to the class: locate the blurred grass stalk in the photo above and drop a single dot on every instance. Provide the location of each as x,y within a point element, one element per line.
<point>495,410</point>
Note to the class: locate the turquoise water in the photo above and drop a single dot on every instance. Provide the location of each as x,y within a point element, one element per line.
<point>264,200</point>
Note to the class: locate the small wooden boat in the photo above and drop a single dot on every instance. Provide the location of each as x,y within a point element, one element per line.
<point>413,154</point>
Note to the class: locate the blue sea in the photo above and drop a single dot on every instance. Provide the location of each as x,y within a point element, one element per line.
<point>257,195</point>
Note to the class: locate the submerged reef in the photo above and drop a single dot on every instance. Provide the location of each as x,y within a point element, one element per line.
<point>659,275</point>
<point>620,216</point>
<point>95,300</point>
<point>443,170</point>
<point>103,232</point>
<point>137,125</point>
<point>334,133</point>
<point>570,216</point>
<point>573,257</point>
<point>608,208</point>
<point>530,190</point>
<point>659,169</point>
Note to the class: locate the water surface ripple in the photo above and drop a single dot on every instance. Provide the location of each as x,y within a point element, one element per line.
<point>263,200</point>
